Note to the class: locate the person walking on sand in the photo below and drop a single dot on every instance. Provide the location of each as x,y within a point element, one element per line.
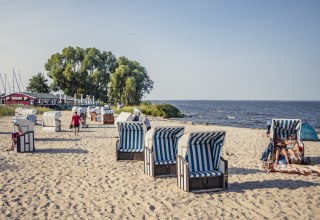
<point>147,123</point>
<point>268,127</point>
<point>75,121</point>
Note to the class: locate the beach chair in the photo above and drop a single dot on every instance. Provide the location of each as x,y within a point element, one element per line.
<point>25,142</point>
<point>130,144</point>
<point>282,128</point>
<point>160,151</point>
<point>51,121</point>
<point>200,167</point>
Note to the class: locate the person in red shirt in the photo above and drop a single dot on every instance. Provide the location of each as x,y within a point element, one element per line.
<point>75,121</point>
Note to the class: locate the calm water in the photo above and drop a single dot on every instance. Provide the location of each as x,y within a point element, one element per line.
<point>251,114</point>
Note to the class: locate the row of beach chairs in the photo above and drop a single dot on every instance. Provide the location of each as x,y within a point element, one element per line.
<point>193,158</point>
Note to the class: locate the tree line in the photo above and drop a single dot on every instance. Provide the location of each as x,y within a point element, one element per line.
<point>93,72</point>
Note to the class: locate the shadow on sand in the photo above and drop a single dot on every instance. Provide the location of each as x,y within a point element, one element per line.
<point>243,171</point>
<point>57,139</point>
<point>5,132</point>
<point>101,126</point>
<point>81,130</point>
<point>268,184</point>
<point>5,166</point>
<point>61,151</point>
<point>315,160</point>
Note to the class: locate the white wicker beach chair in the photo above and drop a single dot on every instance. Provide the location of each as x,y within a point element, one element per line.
<point>51,121</point>
<point>200,167</point>
<point>130,144</point>
<point>161,151</point>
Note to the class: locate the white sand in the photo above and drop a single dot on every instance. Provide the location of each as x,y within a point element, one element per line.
<point>73,178</point>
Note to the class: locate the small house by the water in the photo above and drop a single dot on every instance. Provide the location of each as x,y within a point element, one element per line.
<point>35,99</point>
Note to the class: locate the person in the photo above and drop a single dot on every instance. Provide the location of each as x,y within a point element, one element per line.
<point>293,147</point>
<point>268,128</point>
<point>147,123</point>
<point>136,117</point>
<point>75,121</point>
<point>15,136</point>
<point>280,147</point>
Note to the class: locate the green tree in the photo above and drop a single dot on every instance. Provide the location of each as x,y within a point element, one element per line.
<point>82,71</point>
<point>129,82</point>
<point>38,83</point>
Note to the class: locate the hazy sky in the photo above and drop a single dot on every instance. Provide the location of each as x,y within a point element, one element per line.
<point>238,50</point>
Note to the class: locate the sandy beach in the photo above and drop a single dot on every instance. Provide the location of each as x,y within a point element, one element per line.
<point>79,178</point>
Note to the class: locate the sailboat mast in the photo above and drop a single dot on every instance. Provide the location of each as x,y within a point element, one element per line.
<point>15,78</point>
<point>21,83</point>
<point>6,82</point>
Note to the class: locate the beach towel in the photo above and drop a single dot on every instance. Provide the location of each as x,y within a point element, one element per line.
<point>293,169</point>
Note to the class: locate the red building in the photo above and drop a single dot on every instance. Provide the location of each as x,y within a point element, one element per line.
<point>29,98</point>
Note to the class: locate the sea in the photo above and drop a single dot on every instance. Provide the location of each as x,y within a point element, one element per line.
<point>247,114</point>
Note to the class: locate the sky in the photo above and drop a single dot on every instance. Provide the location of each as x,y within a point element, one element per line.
<point>192,50</point>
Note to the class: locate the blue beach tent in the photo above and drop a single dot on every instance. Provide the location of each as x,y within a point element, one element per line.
<point>308,133</point>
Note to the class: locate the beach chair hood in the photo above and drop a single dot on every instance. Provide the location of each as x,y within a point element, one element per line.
<point>284,127</point>
<point>203,147</point>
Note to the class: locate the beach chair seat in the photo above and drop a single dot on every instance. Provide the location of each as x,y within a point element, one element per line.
<point>130,150</point>
<point>207,173</point>
<point>165,162</point>
<point>200,167</point>
<point>130,145</point>
<point>161,151</point>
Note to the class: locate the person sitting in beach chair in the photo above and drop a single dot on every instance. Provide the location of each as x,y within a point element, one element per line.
<point>280,147</point>
<point>161,151</point>
<point>293,147</point>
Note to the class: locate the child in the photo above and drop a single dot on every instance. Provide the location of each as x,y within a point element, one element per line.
<point>15,136</point>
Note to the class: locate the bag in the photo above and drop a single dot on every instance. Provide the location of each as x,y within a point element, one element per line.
<point>71,126</point>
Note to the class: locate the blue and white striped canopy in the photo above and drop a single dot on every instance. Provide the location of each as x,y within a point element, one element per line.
<point>202,150</point>
<point>284,127</point>
<point>164,143</point>
<point>131,136</point>
<point>32,118</point>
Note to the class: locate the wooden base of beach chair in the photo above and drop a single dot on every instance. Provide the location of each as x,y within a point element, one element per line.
<point>206,183</point>
<point>130,156</point>
<point>201,184</point>
<point>165,170</point>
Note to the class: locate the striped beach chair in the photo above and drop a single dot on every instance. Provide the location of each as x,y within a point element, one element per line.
<point>161,151</point>
<point>282,128</point>
<point>130,144</point>
<point>200,167</point>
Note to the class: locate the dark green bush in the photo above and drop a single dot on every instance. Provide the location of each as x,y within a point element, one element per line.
<point>160,110</point>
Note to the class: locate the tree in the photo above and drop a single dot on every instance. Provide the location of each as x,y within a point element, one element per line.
<point>38,83</point>
<point>82,71</point>
<point>129,82</point>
